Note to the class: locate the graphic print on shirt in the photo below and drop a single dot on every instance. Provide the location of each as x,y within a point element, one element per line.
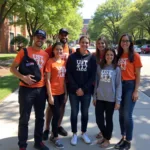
<point>106,75</point>
<point>122,63</point>
<point>61,71</point>
<point>39,59</point>
<point>82,65</point>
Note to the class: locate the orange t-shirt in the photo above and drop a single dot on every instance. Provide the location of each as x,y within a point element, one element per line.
<point>57,79</point>
<point>127,67</point>
<point>40,57</point>
<point>65,52</point>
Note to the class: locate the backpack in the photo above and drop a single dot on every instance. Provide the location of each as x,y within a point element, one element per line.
<point>29,66</point>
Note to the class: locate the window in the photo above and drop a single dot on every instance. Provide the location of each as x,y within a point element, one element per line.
<point>11,36</point>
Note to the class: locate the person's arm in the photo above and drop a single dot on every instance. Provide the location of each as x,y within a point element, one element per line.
<point>27,79</point>
<point>96,85</point>
<point>66,94</point>
<point>118,84</point>
<point>48,86</point>
<point>91,80</point>
<point>69,76</point>
<point>137,83</point>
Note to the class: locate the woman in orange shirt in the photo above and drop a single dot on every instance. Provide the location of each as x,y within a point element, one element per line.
<point>55,83</point>
<point>130,64</point>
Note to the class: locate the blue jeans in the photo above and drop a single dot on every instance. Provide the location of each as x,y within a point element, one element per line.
<point>126,109</point>
<point>85,103</point>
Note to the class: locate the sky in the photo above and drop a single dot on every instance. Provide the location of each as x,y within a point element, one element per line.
<point>89,8</point>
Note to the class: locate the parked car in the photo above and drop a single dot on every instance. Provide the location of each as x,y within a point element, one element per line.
<point>145,48</point>
<point>137,49</point>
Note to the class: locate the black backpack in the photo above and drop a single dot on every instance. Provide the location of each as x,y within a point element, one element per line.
<point>29,66</point>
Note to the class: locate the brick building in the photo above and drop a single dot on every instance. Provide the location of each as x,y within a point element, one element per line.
<point>85,26</point>
<point>8,32</point>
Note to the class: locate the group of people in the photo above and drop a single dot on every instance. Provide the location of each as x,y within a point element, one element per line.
<point>110,79</point>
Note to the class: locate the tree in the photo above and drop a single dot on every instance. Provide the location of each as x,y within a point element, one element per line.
<point>137,18</point>
<point>6,7</point>
<point>49,15</point>
<point>107,16</point>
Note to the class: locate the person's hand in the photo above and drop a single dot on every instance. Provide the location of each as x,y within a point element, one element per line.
<point>135,96</point>
<point>117,106</point>
<point>28,79</point>
<point>65,98</point>
<point>94,102</point>
<point>79,92</point>
<point>51,100</point>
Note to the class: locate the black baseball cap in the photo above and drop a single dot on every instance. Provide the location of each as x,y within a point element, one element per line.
<point>63,30</point>
<point>40,32</point>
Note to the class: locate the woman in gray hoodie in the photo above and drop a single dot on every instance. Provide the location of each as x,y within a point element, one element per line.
<point>107,94</point>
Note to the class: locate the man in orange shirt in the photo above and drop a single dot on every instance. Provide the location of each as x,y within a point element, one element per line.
<point>63,38</point>
<point>32,93</point>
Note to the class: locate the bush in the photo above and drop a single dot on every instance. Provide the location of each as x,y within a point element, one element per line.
<point>20,41</point>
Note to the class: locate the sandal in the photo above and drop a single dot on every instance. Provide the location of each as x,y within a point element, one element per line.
<point>105,144</point>
<point>99,135</point>
<point>100,141</point>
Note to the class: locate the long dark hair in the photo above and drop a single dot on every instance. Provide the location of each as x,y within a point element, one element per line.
<point>104,62</point>
<point>53,47</point>
<point>131,49</point>
<point>97,50</point>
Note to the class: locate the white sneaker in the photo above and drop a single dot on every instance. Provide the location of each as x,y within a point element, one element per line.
<point>86,139</point>
<point>74,139</point>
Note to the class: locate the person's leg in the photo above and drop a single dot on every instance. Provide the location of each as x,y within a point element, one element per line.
<point>48,118</point>
<point>85,103</point>
<point>99,112</point>
<point>61,130</point>
<point>56,114</point>
<point>25,106</point>
<point>39,106</point>
<point>109,111</point>
<point>128,109</point>
<point>74,103</point>
<point>58,101</point>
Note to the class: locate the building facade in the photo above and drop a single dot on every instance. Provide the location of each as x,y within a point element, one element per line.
<point>8,33</point>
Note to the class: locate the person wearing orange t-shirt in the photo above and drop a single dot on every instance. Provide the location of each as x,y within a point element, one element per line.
<point>32,93</point>
<point>63,38</point>
<point>130,64</point>
<point>55,83</point>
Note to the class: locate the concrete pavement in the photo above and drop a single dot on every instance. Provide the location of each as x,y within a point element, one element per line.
<point>9,124</point>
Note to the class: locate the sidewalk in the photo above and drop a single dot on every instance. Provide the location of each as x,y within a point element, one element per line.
<point>9,124</point>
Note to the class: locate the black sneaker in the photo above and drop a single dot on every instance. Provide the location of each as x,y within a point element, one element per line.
<point>62,131</point>
<point>125,146</point>
<point>45,135</point>
<point>41,146</point>
<point>117,146</point>
<point>57,143</point>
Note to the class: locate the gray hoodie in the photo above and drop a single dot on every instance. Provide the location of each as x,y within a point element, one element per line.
<point>108,85</point>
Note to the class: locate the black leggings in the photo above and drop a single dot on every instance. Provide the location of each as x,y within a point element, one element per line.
<point>58,102</point>
<point>105,124</point>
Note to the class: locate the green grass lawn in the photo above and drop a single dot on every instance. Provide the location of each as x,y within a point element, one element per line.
<point>8,84</point>
<point>7,56</point>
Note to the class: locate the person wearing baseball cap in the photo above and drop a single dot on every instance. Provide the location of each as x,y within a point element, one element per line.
<point>63,38</point>
<point>32,93</point>
<point>40,33</point>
